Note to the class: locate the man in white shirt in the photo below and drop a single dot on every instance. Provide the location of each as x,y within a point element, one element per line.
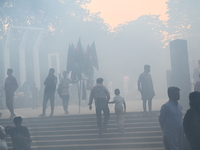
<point>171,121</point>
<point>196,73</point>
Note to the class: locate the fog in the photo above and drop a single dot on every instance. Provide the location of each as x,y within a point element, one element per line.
<point>121,52</point>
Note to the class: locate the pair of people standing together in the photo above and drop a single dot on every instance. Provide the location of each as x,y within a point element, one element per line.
<point>101,96</point>
<point>50,88</point>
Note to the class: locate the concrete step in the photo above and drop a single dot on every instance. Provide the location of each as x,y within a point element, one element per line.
<point>76,132</point>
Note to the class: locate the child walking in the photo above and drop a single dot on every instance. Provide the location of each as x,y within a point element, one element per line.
<point>120,109</point>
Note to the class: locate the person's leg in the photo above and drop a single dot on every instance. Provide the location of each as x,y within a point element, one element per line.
<point>36,102</point>
<point>45,100</point>
<point>121,120</point>
<point>33,102</point>
<point>65,100</point>
<point>99,121</point>
<point>150,104</point>
<point>52,99</point>
<point>67,104</point>
<point>64,103</point>
<point>106,112</point>
<point>9,103</point>
<point>144,105</point>
<point>171,142</point>
<point>166,143</point>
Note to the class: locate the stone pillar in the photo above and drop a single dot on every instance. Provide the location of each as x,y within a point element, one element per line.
<point>180,75</point>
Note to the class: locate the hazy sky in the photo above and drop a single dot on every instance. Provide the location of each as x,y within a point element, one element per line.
<point>115,12</point>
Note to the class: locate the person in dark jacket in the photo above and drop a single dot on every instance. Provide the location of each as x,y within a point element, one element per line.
<point>49,91</point>
<point>19,134</point>
<point>101,95</point>
<point>10,87</point>
<point>191,121</point>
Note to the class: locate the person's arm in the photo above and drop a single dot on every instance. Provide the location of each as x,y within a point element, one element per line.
<point>124,106</point>
<point>139,83</point>
<point>15,84</point>
<point>195,75</point>
<point>188,123</point>
<point>45,81</point>
<point>91,98</point>
<point>162,117</point>
<point>2,133</point>
<point>27,134</point>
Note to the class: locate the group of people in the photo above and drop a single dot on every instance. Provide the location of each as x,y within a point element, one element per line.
<point>101,96</point>
<point>50,89</point>
<point>50,82</point>
<point>174,126</point>
<point>171,120</point>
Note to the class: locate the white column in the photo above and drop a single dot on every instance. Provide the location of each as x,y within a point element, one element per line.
<point>22,61</point>
<point>7,53</point>
<point>36,60</point>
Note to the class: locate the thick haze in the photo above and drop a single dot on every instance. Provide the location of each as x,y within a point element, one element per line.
<point>123,52</point>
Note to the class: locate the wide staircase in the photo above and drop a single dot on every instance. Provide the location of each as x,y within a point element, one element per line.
<point>78,132</point>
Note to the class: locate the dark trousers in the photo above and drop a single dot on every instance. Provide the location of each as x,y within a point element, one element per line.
<point>45,100</point>
<point>149,104</point>
<point>102,105</point>
<point>65,101</point>
<point>9,102</point>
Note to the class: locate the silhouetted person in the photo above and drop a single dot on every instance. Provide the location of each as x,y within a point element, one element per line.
<point>197,85</point>
<point>19,134</point>
<point>145,86</point>
<point>196,73</point>
<point>49,91</point>
<point>171,121</point>
<point>120,109</point>
<point>35,96</point>
<point>10,88</point>
<point>63,91</point>
<point>3,144</point>
<point>102,96</point>
<point>1,98</point>
<point>191,121</point>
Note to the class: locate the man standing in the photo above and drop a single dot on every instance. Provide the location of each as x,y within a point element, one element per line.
<point>49,91</point>
<point>101,95</point>
<point>145,86</point>
<point>197,73</point>
<point>191,121</point>
<point>171,121</point>
<point>63,91</point>
<point>10,87</point>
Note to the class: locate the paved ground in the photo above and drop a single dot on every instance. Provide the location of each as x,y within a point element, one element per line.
<point>132,106</point>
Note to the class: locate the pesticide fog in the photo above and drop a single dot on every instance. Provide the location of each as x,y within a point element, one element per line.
<point>121,52</point>
<point>61,66</point>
